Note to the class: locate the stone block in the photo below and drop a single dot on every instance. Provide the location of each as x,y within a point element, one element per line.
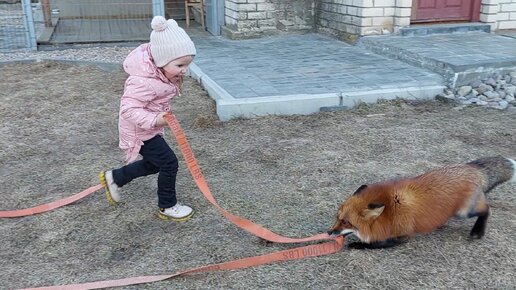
<point>384,3</point>
<point>371,12</point>
<point>257,15</point>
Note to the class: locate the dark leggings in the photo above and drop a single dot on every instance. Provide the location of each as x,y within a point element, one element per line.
<point>157,157</point>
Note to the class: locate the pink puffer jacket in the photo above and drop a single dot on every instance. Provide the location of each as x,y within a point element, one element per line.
<point>147,93</point>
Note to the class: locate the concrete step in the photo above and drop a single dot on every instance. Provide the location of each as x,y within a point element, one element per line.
<point>459,57</point>
<point>418,30</point>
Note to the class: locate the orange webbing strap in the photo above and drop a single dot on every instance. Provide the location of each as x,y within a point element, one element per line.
<point>285,255</point>
<point>198,177</point>
<point>49,206</point>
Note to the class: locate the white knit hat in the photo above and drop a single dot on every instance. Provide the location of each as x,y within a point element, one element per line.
<point>168,41</point>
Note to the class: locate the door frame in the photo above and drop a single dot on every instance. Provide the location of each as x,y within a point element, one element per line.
<point>474,16</point>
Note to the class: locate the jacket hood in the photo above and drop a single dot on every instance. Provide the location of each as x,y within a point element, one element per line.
<point>140,63</point>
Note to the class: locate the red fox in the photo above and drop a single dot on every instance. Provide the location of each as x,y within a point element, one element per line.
<point>386,213</point>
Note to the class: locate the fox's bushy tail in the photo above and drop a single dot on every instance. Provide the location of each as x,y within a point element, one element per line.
<point>498,170</point>
<point>513,179</point>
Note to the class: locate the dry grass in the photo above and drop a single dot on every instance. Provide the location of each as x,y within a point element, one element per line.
<point>59,128</point>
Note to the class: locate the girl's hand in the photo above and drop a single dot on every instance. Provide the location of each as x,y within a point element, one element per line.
<point>160,120</point>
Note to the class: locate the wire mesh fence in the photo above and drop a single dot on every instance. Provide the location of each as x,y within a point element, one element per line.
<point>102,21</point>
<point>13,31</point>
<point>24,24</point>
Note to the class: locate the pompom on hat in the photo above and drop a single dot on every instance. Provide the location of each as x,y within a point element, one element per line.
<point>168,41</point>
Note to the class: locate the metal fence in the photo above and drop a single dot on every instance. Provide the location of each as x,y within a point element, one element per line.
<point>25,24</point>
<point>15,31</point>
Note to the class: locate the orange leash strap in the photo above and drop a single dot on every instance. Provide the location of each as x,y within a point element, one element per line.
<point>49,206</point>
<point>198,177</point>
<point>286,255</point>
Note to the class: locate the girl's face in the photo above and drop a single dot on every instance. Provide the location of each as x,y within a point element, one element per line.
<point>176,69</point>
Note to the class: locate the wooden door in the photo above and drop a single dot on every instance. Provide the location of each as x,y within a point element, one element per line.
<point>445,10</point>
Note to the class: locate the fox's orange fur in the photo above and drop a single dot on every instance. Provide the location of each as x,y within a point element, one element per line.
<point>394,209</point>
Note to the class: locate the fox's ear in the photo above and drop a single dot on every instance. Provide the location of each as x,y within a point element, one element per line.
<point>362,187</point>
<point>373,211</point>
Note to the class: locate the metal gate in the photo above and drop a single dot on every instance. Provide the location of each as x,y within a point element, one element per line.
<point>25,25</point>
<point>17,27</point>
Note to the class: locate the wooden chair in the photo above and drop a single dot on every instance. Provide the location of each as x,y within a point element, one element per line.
<point>194,3</point>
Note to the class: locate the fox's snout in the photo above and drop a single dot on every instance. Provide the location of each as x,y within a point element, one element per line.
<point>335,230</point>
<point>333,233</point>
<point>336,233</point>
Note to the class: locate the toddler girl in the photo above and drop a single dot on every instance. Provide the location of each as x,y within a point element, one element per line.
<point>156,70</point>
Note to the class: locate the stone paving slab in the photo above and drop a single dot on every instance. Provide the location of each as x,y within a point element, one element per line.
<point>459,57</point>
<point>507,32</point>
<point>299,74</point>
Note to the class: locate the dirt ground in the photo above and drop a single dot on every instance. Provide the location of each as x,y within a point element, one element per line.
<point>59,129</point>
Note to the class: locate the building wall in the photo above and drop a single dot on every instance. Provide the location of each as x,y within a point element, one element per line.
<point>345,19</point>
<point>500,14</point>
<point>349,19</point>
<point>252,18</point>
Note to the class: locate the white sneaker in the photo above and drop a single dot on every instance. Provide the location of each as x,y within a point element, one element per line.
<point>176,213</point>
<point>111,188</point>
